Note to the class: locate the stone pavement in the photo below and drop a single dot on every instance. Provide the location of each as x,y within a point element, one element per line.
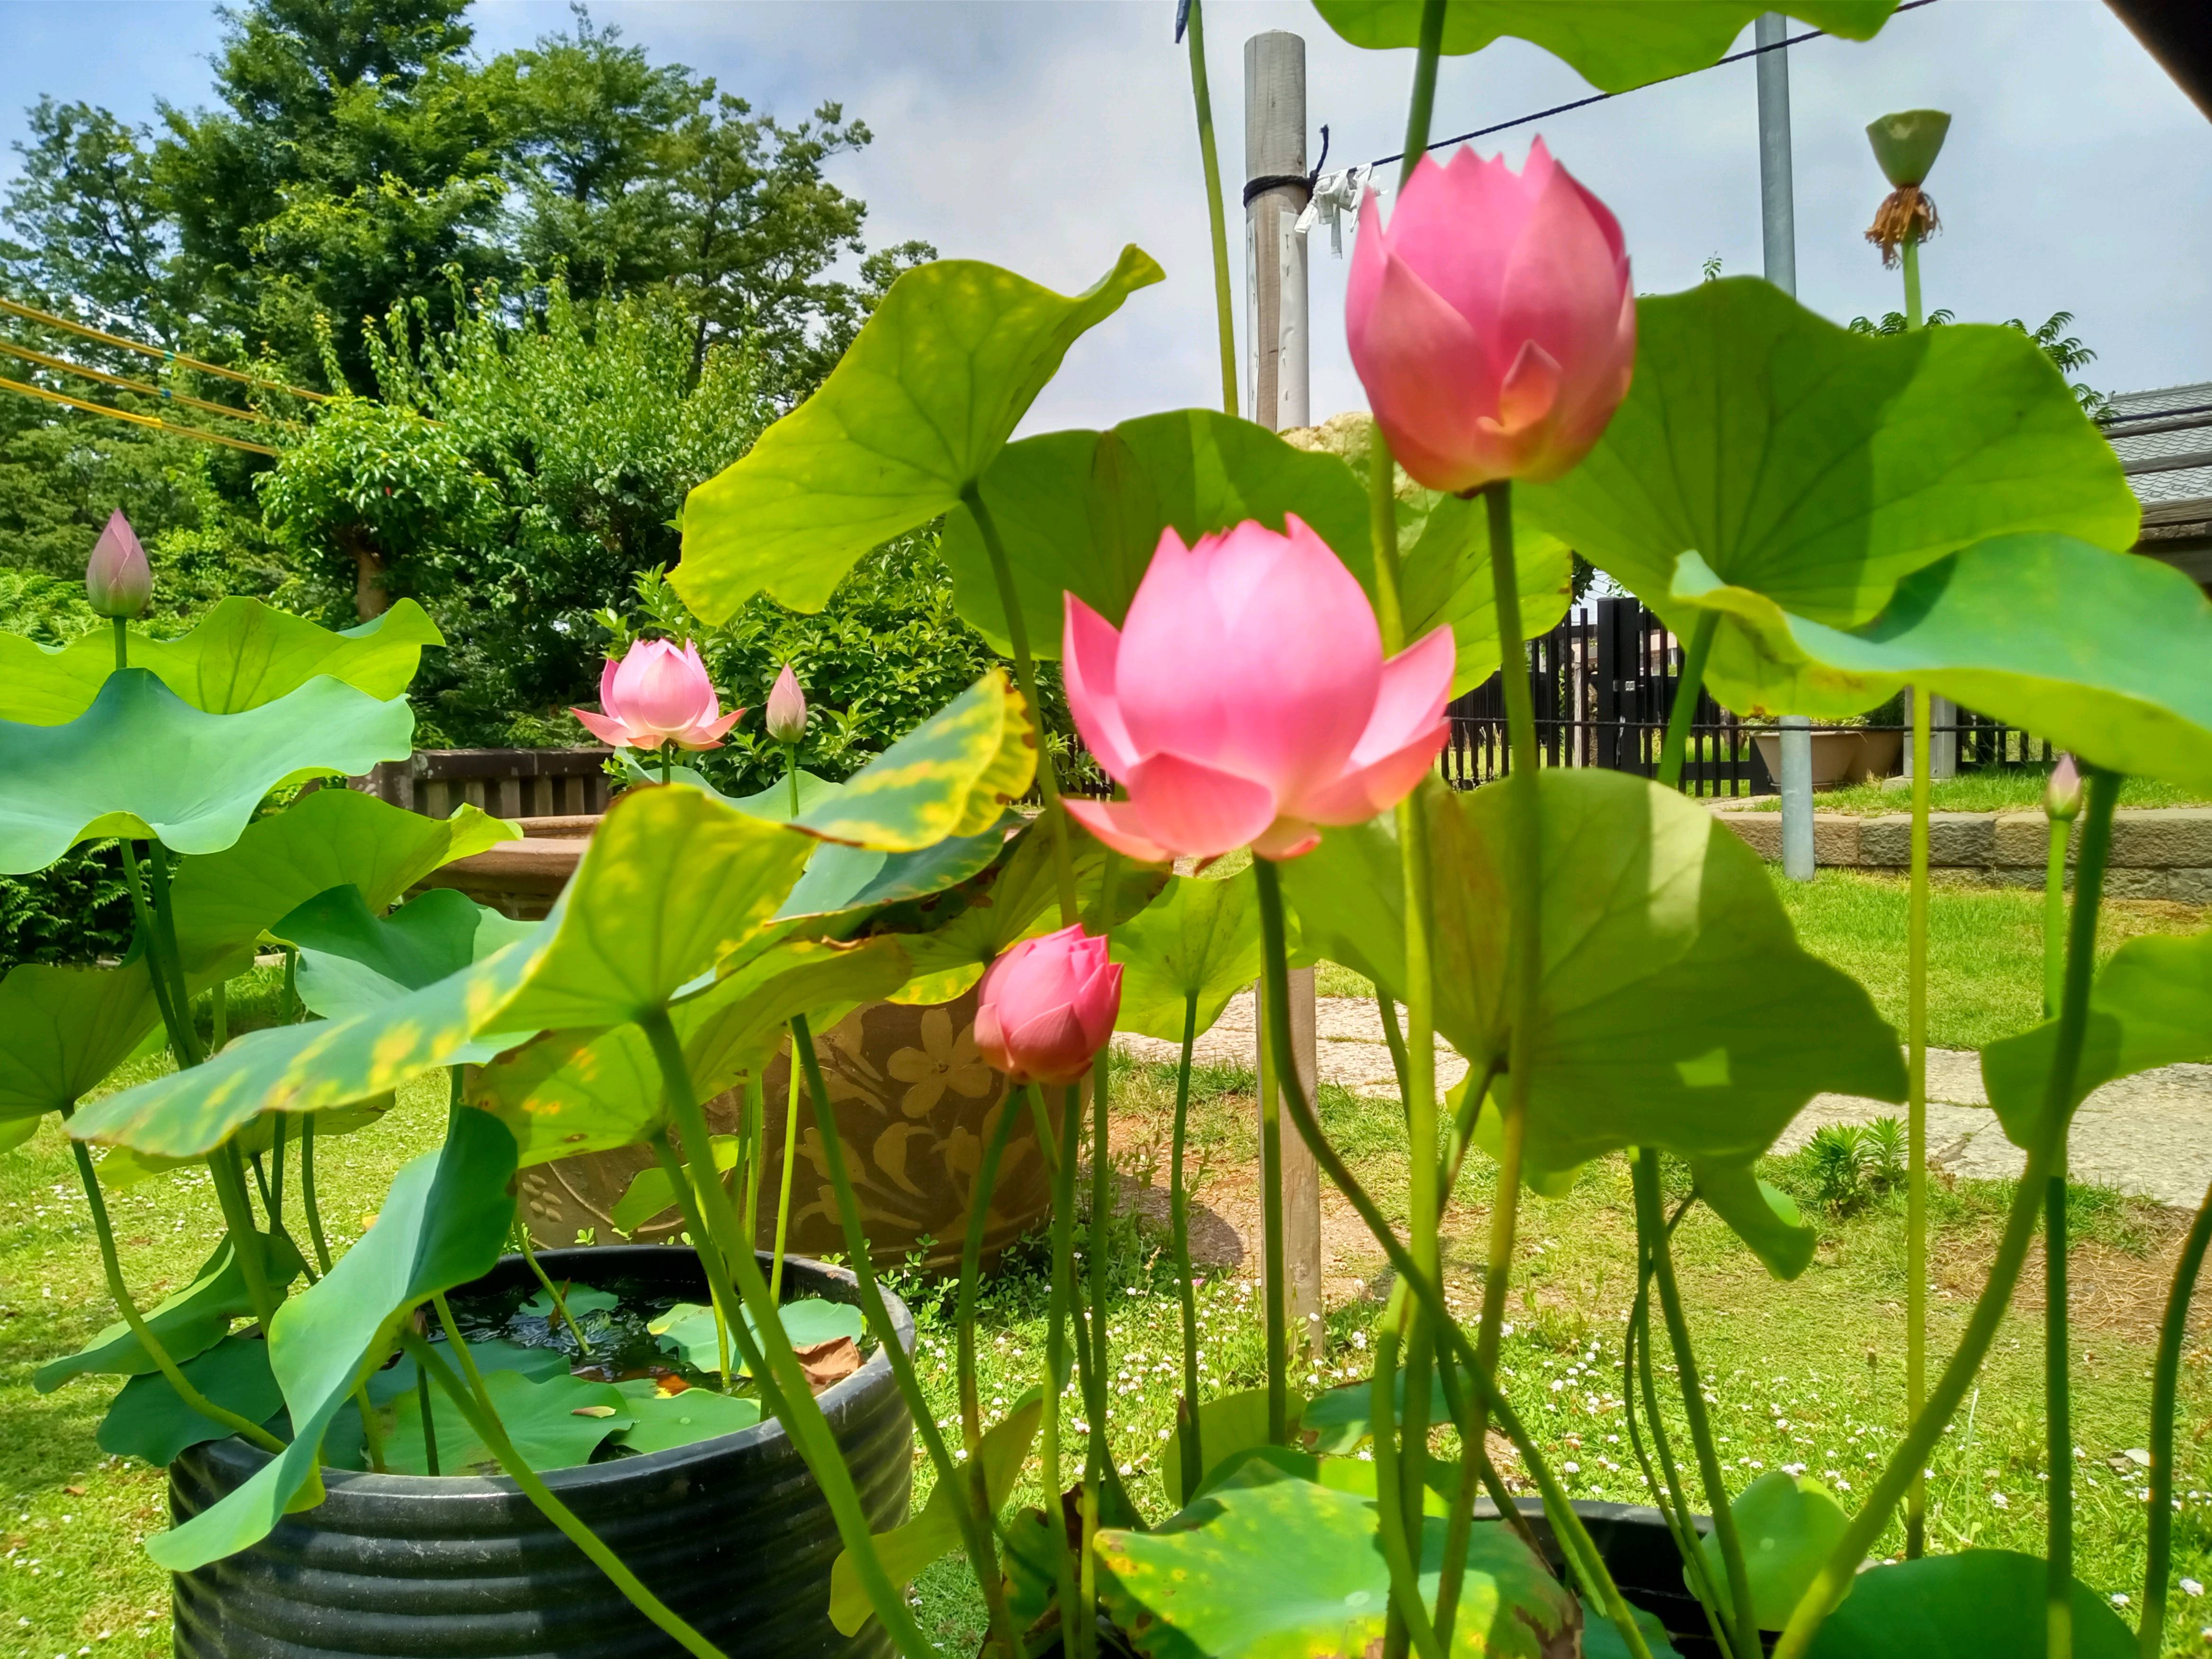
<point>2150,1134</point>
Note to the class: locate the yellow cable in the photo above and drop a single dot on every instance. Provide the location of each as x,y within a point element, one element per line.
<point>63,365</point>
<point>205,367</point>
<point>29,391</point>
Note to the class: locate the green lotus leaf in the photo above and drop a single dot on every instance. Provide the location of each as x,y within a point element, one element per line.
<point>193,1319</point>
<point>141,761</point>
<point>592,1089</point>
<point>62,1030</point>
<point>1788,1523</point>
<point>1020,899</point>
<point>1818,467</point>
<point>122,1167</point>
<point>580,1299</point>
<point>1444,559</point>
<point>914,412</point>
<point>148,1419</point>
<point>1198,939</point>
<point>241,655</point>
<point>1252,1465</point>
<point>1227,1424</point>
<point>352,960</point>
<point>661,1422</point>
<point>1759,1213</point>
<point>2151,1005</point>
<point>444,1222</point>
<point>2100,652</point>
<point>552,1422</point>
<point>493,1355</point>
<point>688,1329</point>
<point>1285,1568</point>
<point>15,1133</point>
<point>953,775</point>
<point>651,1193</point>
<point>1979,1604</point>
<point>1677,1010</point>
<point>1082,512</point>
<point>1341,1420</point>
<point>773,803</point>
<point>328,838</point>
<point>1613,44</point>
<point>1600,1640</point>
<point>904,1551</point>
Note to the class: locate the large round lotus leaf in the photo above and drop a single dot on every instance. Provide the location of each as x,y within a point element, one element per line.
<point>1983,1604</point>
<point>241,654</point>
<point>659,1421</point>
<point>1286,1569</point>
<point>1613,44</point>
<point>62,1029</point>
<point>148,1419</point>
<point>1788,1524</point>
<point>1200,938</point>
<point>141,761</point>
<point>556,1423</point>
<point>914,412</point>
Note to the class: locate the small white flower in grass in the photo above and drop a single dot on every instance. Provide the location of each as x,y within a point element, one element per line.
<point>1998,1500</point>
<point>2120,1598</point>
<point>1359,1338</point>
<point>2190,1587</point>
<point>1571,1468</point>
<point>1167,1434</point>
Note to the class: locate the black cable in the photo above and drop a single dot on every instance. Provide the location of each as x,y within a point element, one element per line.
<point>1600,97</point>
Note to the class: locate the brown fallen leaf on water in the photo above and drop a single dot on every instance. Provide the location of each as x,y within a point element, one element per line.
<point>828,1361</point>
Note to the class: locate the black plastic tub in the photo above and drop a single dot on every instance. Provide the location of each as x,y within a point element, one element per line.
<point>734,1533</point>
<point>1639,1551</point>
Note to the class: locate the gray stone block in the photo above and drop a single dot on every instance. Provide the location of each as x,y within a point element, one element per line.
<point>2163,838</point>
<point>1961,840</point>
<point>1760,831</point>
<point>1886,842</point>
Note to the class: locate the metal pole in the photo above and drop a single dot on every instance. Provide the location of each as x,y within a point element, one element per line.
<point>1278,340</point>
<point>1779,224</point>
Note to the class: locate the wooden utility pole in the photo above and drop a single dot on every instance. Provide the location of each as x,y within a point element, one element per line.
<point>1278,340</point>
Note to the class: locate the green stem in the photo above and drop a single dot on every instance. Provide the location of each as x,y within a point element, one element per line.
<point>308,1191</point>
<point>982,1510</point>
<point>122,626</point>
<point>1188,1437</point>
<point>734,1274</point>
<point>219,1017</point>
<point>473,1402</point>
<point>2165,1389</point>
<point>791,774</point>
<point>1055,1343</point>
<point>2058,1421</point>
<point>560,1302</point>
<point>372,1432</point>
<point>1423,99</point>
<point>1275,993</point>
<point>1217,223</point>
<point>1588,1567</point>
<point>165,940</point>
<point>2054,917</point>
<point>1915,1114</point>
<point>975,1520</point>
<point>227,1168</point>
<point>1459,1534</point>
<point>175,1022</point>
<point>1383,531</point>
<point>1018,634</point>
<point>790,1168</point>
<point>429,1423</point>
<point>1651,1225</point>
<point>752,1109</point>
<point>1665,1483</point>
<point>1684,712</point>
<point>1909,249</point>
<point>1410,1622</point>
<point>1834,1577</point>
<point>104,1232</point>
<point>667,761</point>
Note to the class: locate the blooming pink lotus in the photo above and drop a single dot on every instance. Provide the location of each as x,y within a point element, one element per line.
<point>1491,323</point>
<point>657,694</point>
<point>1047,1006</point>
<point>1246,701</point>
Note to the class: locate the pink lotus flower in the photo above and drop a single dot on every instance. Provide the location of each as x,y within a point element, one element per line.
<point>786,717</point>
<point>1492,322</point>
<point>1246,700</point>
<point>1047,1006</point>
<point>117,581</point>
<point>657,694</point>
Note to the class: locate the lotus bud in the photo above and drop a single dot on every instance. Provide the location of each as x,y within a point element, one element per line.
<point>117,581</point>
<point>2062,796</point>
<point>1905,146</point>
<point>786,718</point>
<point>1047,1006</point>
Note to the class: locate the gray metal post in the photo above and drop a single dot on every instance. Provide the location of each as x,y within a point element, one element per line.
<point>1778,222</point>
<point>1278,338</point>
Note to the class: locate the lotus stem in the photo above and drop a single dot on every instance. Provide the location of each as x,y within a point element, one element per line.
<point>1916,1115</point>
<point>1682,713</point>
<point>2054,917</point>
<point>429,1423</point>
<point>178,1026</point>
<point>1911,250</point>
<point>227,1168</point>
<point>975,1520</point>
<point>1275,1009</point>
<point>473,1400</point>
<point>1018,634</point>
<point>1409,1619</point>
<point>1423,101</point>
<point>372,1432</point>
<point>1650,1224</point>
<point>1225,306</point>
<point>104,1230</point>
<point>2165,1390</point>
<point>308,1191</point>
<point>791,774</point>
<point>983,1510</point>
<point>790,1167</point>
<point>122,627</point>
<point>1055,1343</point>
<point>1834,1577</point>
<point>560,1302</point>
<point>2058,1423</point>
<point>1188,1439</point>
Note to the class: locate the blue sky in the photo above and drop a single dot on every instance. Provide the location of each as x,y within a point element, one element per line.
<point>1044,134</point>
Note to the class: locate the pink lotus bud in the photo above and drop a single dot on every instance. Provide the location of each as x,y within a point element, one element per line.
<point>2062,796</point>
<point>786,719</point>
<point>117,581</point>
<point>657,694</point>
<point>1492,322</point>
<point>1047,1006</point>
<point>1245,700</point>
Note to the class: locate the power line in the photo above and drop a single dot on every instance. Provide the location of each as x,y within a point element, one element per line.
<point>141,348</point>
<point>62,365</point>
<point>26,388</point>
<point>1600,97</point>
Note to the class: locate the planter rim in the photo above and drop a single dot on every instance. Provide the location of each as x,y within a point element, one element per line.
<point>367,1486</point>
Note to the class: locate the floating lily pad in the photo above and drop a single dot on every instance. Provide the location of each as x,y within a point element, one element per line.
<point>580,1299</point>
<point>688,1329</point>
<point>555,1422</point>
<point>490,1355</point>
<point>661,1422</point>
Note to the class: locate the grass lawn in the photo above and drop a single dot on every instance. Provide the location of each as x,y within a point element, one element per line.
<point>1811,1374</point>
<point>1998,789</point>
